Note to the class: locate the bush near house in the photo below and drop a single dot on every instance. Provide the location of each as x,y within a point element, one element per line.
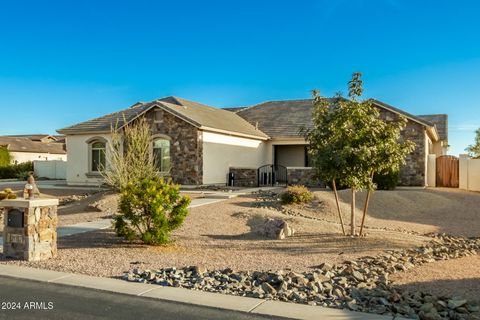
<point>16,170</point>
<point>296,194</point>
<point>150,210</point>
<point>388,181</point>
<point>5,157</point>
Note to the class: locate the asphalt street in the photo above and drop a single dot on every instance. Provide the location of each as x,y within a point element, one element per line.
<point>26,299</point>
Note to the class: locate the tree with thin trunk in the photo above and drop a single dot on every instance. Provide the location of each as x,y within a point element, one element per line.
<point>349,142</point>
<point>474,149</point>
<point>129,155</point>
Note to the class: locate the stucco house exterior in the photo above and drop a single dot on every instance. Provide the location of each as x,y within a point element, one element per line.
<point>36,147</point>
<point>201,145</point>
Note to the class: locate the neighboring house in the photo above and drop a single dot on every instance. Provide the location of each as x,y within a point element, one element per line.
<point>199,144</point>
<point>24,148</point>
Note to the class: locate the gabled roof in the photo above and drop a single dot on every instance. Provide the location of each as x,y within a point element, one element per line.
<point>201,116</point>
<point>440,121</point>
<point>23,144</point>
<point>41,137</point>
<point>284,118</point>
<point>403,113</point>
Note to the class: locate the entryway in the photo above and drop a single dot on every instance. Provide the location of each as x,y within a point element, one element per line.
<point>272,175</point>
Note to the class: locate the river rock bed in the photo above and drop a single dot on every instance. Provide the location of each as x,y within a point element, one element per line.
<point>360,285</point>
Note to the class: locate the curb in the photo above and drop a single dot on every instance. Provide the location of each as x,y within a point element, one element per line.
<point>201,298</point>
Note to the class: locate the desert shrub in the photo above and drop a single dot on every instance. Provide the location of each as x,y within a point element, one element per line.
<point>12,171</point>
<point>150,210</point>
<point>129,155</point>
<point>5,157</point>
<point>296,194</point>
<point>386,181</point>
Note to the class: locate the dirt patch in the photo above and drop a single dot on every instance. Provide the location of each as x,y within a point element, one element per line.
<point>220,235</point>
<point>444,278</point>
<point>424,211</point>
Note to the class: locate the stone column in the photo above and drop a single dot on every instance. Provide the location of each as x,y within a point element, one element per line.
<point>30,231</point>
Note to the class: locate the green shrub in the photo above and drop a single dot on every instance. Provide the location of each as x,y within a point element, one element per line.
<point>13,171</point>
<point>5,157</point>
<point>296,194</point>
<point>150,210</point>
<point>386,181</point>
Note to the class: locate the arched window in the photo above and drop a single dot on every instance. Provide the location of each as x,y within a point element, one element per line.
<point>97,155</point>
<point>161,154</point>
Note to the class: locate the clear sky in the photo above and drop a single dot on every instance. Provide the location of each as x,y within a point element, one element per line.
<point>62,62</point>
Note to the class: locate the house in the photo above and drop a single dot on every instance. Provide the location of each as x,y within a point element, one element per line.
<point>199,144</point>
<point>24,148</point>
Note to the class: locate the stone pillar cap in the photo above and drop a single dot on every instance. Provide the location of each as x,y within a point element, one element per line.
<point>26,203</point>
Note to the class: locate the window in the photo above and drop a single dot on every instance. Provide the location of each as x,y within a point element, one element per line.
<point>97,156</point>
<point>161,154</point>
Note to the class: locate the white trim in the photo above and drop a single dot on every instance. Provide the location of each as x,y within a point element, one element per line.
<point>231,133</point>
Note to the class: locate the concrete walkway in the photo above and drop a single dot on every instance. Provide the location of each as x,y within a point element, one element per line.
<point>200,298</point>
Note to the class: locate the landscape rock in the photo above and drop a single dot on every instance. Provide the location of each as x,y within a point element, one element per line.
<point>277,229</point>
<point>360,285</point>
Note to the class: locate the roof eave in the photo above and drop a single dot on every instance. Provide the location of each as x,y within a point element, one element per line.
<point>404,114</point>
<point>233,133</point>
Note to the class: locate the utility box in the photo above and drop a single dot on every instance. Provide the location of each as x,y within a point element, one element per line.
<point>30,229</point>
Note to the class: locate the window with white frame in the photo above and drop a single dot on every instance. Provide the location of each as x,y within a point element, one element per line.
<point>97,156</point>
<point>161,154</point>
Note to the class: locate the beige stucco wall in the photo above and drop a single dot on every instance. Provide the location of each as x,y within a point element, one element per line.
<point>20,157</point>
<point>432,170</point>
<point>469,173</point>
<point>220,152</point>
<point>78,159</point>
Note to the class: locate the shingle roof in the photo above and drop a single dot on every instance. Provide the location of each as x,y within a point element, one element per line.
<point>440,121</point>
<point>105,123</point>
<point>284,118</point>
<point>280,118</point>
<point>200,115</point>
<point>23,144</point>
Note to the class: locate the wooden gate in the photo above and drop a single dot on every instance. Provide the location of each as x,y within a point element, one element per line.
<point>447,171</point>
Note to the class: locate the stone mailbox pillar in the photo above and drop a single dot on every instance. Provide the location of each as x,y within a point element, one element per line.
<point>30,230</point>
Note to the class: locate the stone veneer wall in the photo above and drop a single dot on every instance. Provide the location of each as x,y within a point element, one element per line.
<point>413,172</point>
<point>37,240</point>
<point>302,176</point>
<point>185,146</point>
<point>244,177</point>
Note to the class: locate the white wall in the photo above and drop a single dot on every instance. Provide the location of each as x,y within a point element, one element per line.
<point>432,170</point>
<point>78,157</point>
<point>52,169</point>
<point>469,173</point>
<point>220,152</point>
<point>20,157</point>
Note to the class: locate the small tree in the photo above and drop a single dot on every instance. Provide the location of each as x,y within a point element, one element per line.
<point>474,149</point>
<point>129,155</point>
<point>349,142</point>
<point>150,210</point>
<point>5,157</point>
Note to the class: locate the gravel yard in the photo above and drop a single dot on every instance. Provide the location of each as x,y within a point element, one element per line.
<point>228,235</point>
<point>439,210</point>
<point>220,235</point>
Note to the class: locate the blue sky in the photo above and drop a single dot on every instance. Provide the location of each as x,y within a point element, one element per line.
<point>62,62</point>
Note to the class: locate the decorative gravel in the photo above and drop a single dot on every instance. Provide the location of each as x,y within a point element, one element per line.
<point>359,285</point>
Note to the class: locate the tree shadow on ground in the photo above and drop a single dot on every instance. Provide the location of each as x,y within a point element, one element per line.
<point>441,210</point>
